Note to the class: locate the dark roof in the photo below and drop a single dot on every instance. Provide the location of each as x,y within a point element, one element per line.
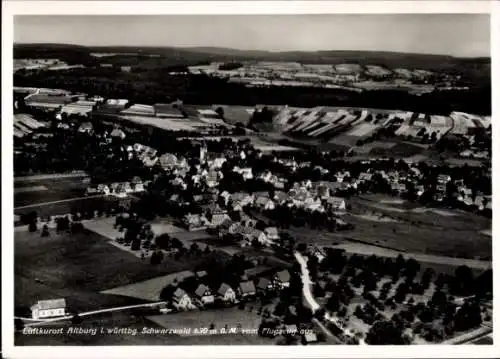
<point>201,290</point>
<point>247,287</point>
<point>283,276</point>
<point>223,288</point>
<point>179,292</point>
<point>263,283</point>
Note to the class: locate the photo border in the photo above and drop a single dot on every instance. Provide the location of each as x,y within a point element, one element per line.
<point>12,8</point>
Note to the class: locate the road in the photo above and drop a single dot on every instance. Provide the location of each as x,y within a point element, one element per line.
<point>50,176</point>
<point>86,314</point>
<point>311,301</point>
<point>468,337</point>
<point>60,201</point>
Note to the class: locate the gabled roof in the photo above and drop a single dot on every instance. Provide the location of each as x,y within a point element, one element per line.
<point>201,290</point>
<point>51,304</point>
<point>201,273</point>
<point>271,231</point>
<point>179,292</point>
<point>224,288</point>
<point>263,283</point>
<point>283,276</point>
<point>247,287</point>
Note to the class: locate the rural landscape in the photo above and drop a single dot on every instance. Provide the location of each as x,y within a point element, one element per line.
<point>204,195</point>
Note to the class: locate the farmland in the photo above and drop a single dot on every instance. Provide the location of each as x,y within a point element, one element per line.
<point>77,267</point>
<point>417,230</point>
<point>47,190</point>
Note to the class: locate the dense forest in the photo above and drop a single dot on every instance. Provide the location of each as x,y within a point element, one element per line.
<point>150,80</point>
<point>150,87</point>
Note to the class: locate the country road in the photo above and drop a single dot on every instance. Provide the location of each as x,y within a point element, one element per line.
<point>86,314</point>
<point>60,201</point>
<point>50,176</point>
<point>313,304</point>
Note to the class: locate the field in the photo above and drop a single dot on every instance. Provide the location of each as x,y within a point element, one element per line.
<point>232,317</point>
<point>150,289</point>
<point>47,190</point>
<point>62,207</point>
<point>438,232</point>
<point>171,124</point>
<point>77,267</point>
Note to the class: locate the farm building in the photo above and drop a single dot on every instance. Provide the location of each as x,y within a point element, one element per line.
<point>49,308</point>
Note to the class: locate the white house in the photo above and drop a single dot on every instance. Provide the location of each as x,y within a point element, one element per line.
<point>49,308</point>
<point>336,203</point>
<point>226,293</point>
<point>204,294</point>
<point>282,279</point>
<point>272,233</point>
<point>181,300</point>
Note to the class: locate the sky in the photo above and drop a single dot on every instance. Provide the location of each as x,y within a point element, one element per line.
<point>448,34</point>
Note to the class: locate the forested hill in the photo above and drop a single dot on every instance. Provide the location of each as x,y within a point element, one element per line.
<point>206,54</point>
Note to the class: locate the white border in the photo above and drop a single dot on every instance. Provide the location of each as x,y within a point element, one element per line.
<point>221,7</point>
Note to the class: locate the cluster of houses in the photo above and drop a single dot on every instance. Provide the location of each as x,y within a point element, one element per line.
<point>310,196</point>
<point>463,193</point>
<point>117,189</point>
<point>201,294</point>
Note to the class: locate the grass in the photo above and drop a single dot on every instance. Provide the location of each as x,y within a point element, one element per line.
<point>204,318</point>
<point>81,205</point>
<point>57,189</point>
<point>77,267</point>
<point>150,289</point>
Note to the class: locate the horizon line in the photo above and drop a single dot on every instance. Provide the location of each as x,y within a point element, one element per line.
<point>256,50</point>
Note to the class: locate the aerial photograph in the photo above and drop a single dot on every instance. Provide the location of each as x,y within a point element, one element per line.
<point>252,180</point>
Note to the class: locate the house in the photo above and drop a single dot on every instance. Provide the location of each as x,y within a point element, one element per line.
<point>319,253</point>
<point>204,294</point>
<point>309,337</point>
<point>272,233</point>
<point>280,197</point>
<point>264,285</point>
<point>264,203</point>
<point>246,289</point>
<point>282,279</point>
<point>86,127</point>
<point>441,188</point>
<point>91,191</point>
<point>217,219</point>
<point>137,187</point>
<point>398,187</point>
<point>313,204</point>
<point>118,133</point>
<point>201,274</point>
<point>194,222</point>
<point>226,293</point>
<point>335,204</point>
<point>442,178</point>
<point>245,172</point>
<point>212,178</point>
<point>168,161</point>
<point>181,300</point>
<point>48,308</point>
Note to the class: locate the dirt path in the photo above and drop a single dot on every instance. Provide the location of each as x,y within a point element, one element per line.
<point>86,314</point>
<point>55,202</point>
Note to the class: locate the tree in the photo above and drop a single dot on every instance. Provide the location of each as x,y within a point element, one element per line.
<point>45,231</point>
<point>32,227</point>
<point>385,333</point>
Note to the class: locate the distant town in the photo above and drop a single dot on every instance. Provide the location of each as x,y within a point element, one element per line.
<point>260,224</point>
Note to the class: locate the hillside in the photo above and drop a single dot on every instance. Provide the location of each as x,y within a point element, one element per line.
<point>173,55</point>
